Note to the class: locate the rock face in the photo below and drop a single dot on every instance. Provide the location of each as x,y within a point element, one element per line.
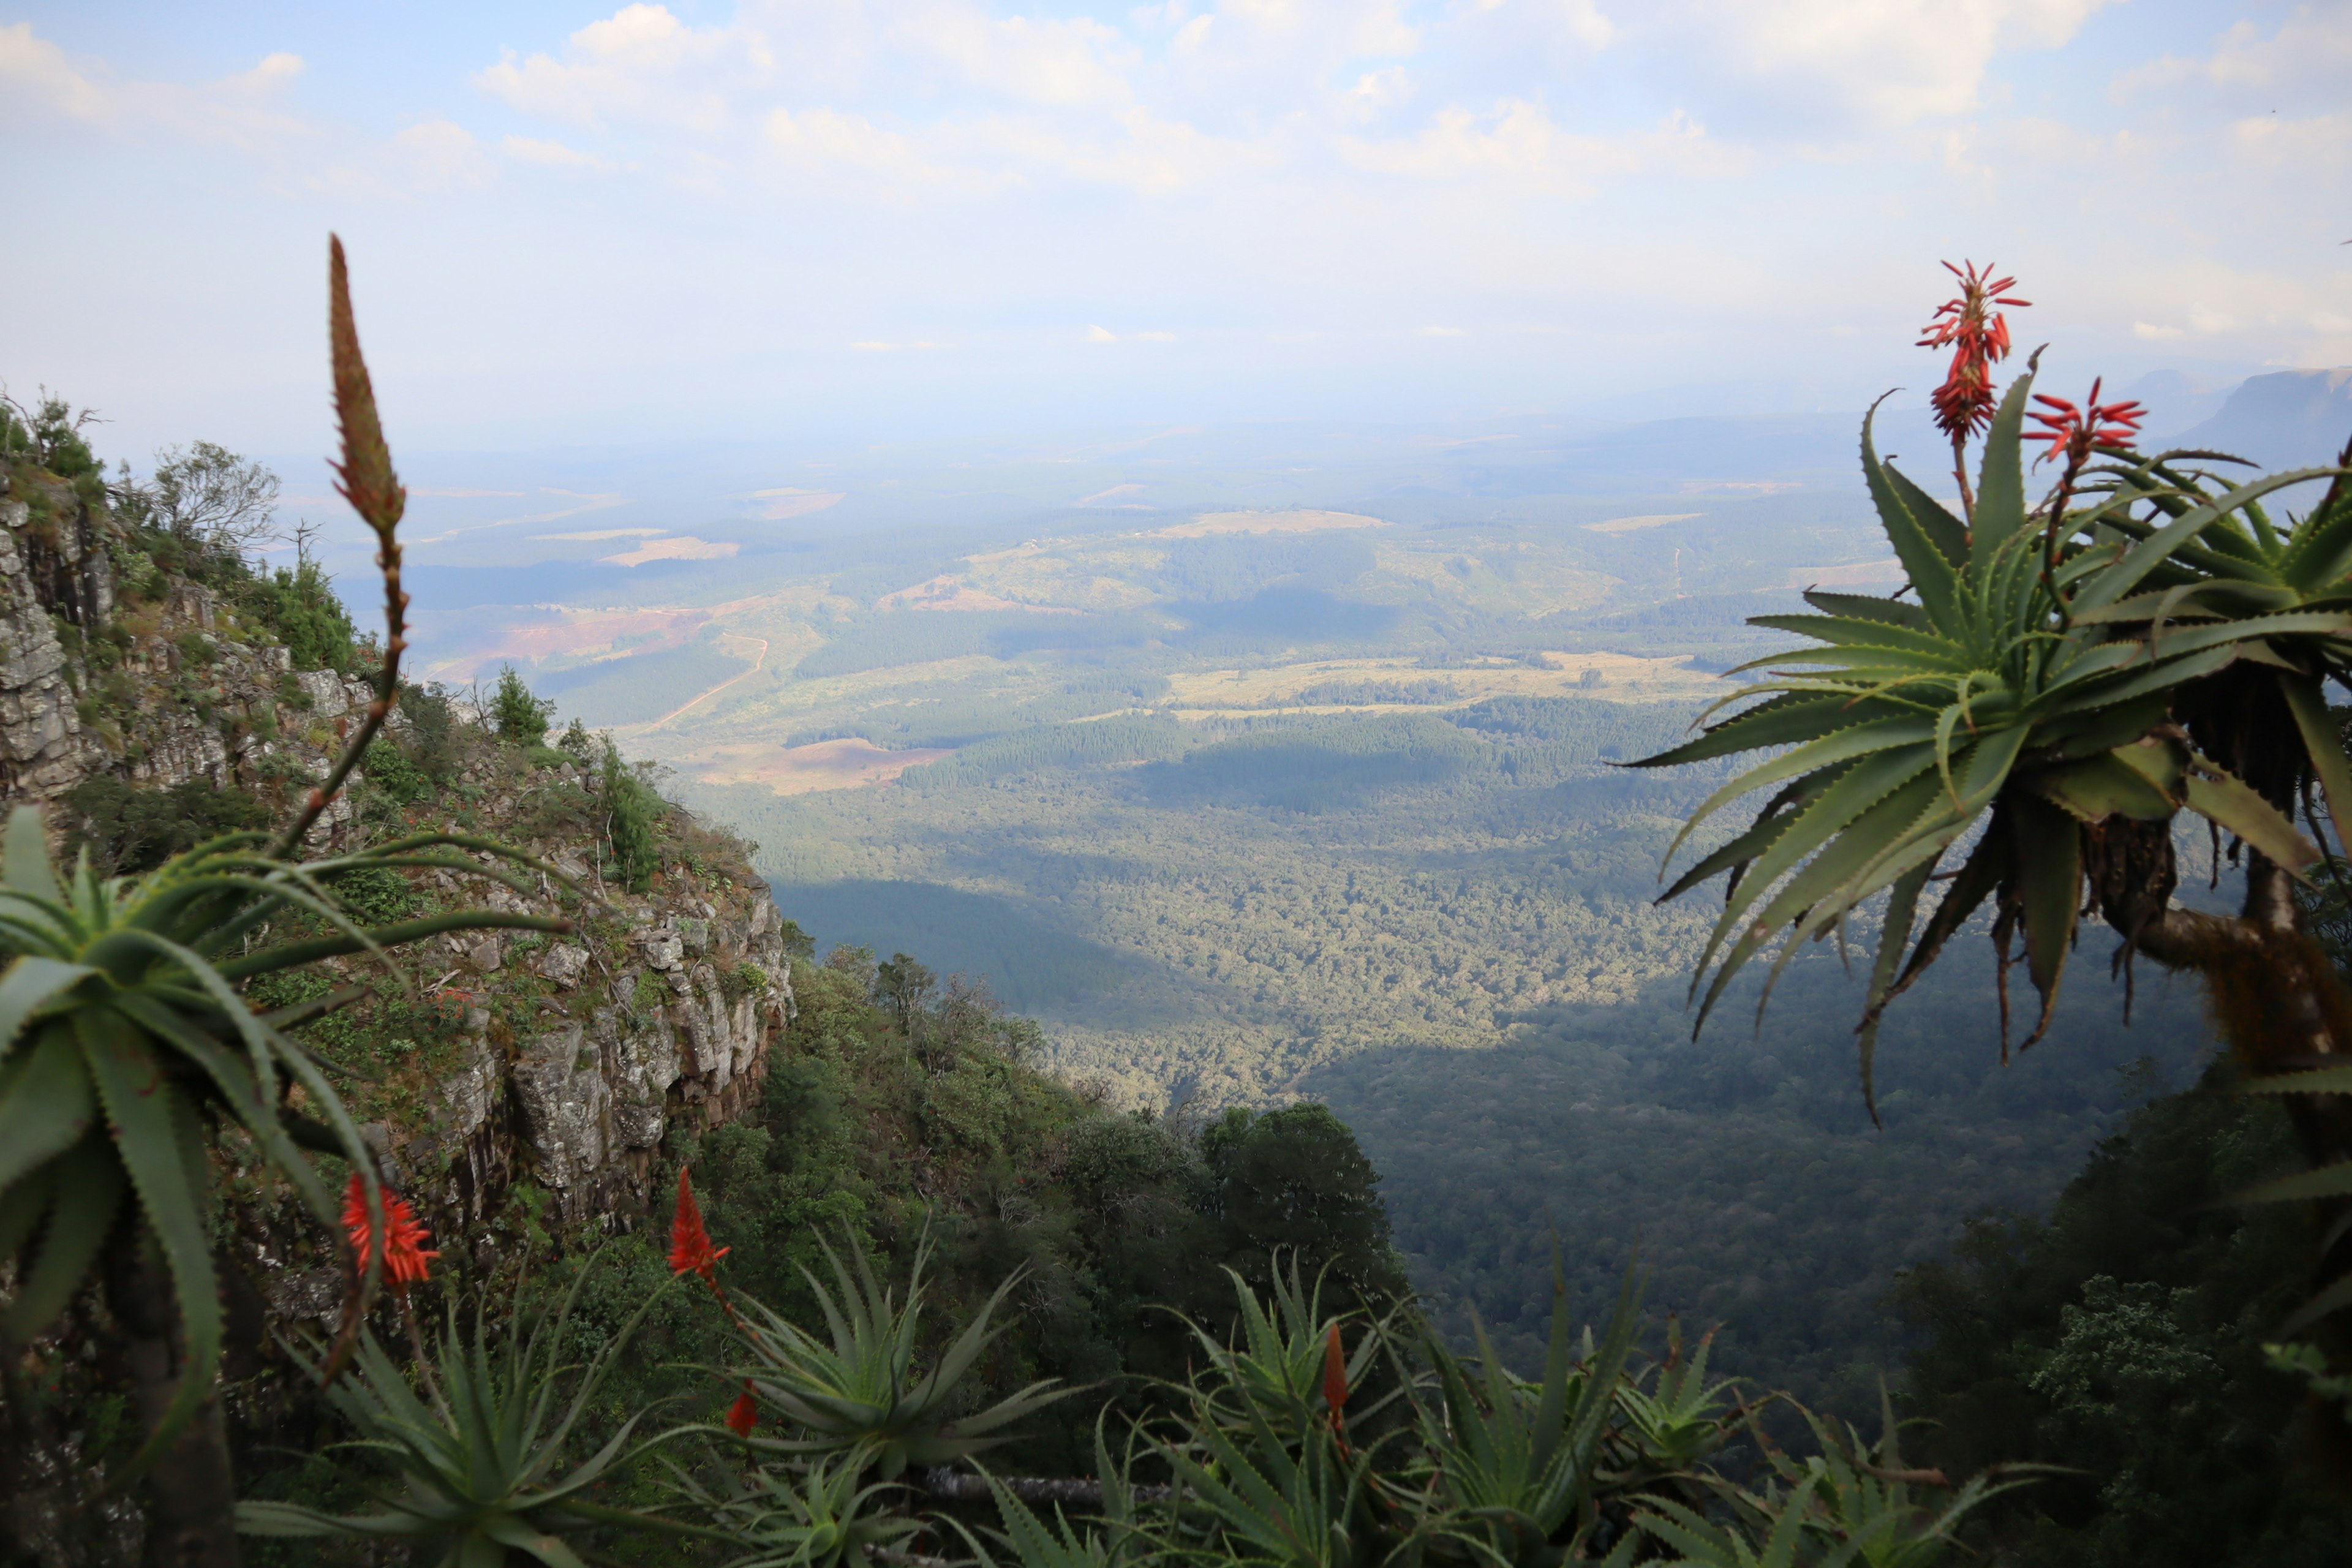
<point>659,1012</point>
<point>580,1102</point>
<point>176,691</point>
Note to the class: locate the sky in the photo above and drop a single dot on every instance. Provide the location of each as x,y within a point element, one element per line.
<point>577,226</point>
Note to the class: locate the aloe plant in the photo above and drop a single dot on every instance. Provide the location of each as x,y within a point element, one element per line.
<point>2003,699</point>
<point>860,1389</point>
<point>482,1459</point>
<point>1678,1419</point>
<point>124,1039</point>
<point>2071,681</point>
<point>1065,1545</point>
<point>1517,1466</point>
<point>1279,1368</point>
<point>824,1514</point>
<point>1857,1502</point>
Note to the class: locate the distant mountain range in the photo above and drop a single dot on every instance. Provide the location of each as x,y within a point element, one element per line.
<point>2290,419</point>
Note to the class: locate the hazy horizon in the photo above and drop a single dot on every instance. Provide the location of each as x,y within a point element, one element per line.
<point>587,227</point>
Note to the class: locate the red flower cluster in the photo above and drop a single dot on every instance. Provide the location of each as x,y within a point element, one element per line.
<point>744,1414</point>
<point>2077,432</point>
<point>1977,336</point>
<point>689,1244</point>
<point>405,1256</point>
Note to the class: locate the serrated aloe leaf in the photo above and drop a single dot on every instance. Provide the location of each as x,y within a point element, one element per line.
<point>1869,782</point>
<point>2100,787</point>
<point>1864,608</point>
<point>2049,886</point>
<point>2224,797</point>
<point>29,985</point>
<point>2001,481</point>
<point>2326,1182</point>
<point>1841,858</point>
<point>1934,578</point>
<point>2322,1080</point>
<point>1948,533</point>
<point>1901,908</point>
<point>1782,722</point>
<point>85,1191</point>
<point>46,1105</point>
<point>1979,876</point>
<point>1931,649</point>
<point>2323,748</point>
<point>2152,552</point>
<point>1854,740</point>
<point>1771,822</point>
<point>151,1120</point>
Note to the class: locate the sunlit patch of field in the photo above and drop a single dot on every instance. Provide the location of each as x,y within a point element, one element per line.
<point>1509,577</point>
<point>1620,677</point>
<point>957,592</point>
<point>802,770</point>
<point>482,641</point>
<point>1211,522</point>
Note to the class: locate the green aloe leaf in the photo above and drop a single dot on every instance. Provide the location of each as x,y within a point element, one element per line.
<point>30,984</point>
<point>153,1123</point>
<point>84,1190</point>
<point>2000,482</point>
<point>2323,1080</point>
<point>2222,798</point>
<point>2323,748</point>
<point>46,1105</point>
<point>2326,1182</point>
<point>2049,886</point>
<point>2100,787</point>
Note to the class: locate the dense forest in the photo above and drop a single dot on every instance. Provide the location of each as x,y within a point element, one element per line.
<point>1441,923</point>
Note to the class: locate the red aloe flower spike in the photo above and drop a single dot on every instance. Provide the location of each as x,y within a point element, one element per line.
<point>744,1414</point>
<point>2076,433</point>
<point>690,1244</point>
<point>1335,1380</point>
<point>406,1258</point>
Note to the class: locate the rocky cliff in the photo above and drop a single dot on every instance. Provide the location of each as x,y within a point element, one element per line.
<point>488,1060</point>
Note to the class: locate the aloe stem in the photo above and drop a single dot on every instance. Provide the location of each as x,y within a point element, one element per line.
<point>191,1486</point>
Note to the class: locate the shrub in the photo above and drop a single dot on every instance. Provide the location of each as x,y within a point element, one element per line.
<point>300,609</point>
<point>519,717</point>
<point>126,828</point>
<point>632,811</point>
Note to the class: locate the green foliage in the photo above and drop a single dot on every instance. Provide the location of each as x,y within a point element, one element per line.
<point>520,718</point>
<point>393,775</point>
<point>484,1460</point>
<point>2024,691</point>
<point>2123,1336</point>
<point>858,1391</point>
<point>49,435</point>
<point>128,828</point>
<point>631,814</point>
<point>123,1036</point>
<point>299,608</point>
<point>822,1515</point>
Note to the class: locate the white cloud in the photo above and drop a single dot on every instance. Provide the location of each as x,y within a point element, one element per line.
<point>1887,62</point>
<point>39,71</point>
<point>640,64</point>
<point>549,154</point>
<point>242,110</point>
<point>1517,142</point>
<point>2150,331</point>
<point>1101,335</point>
<point>438,154</point>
